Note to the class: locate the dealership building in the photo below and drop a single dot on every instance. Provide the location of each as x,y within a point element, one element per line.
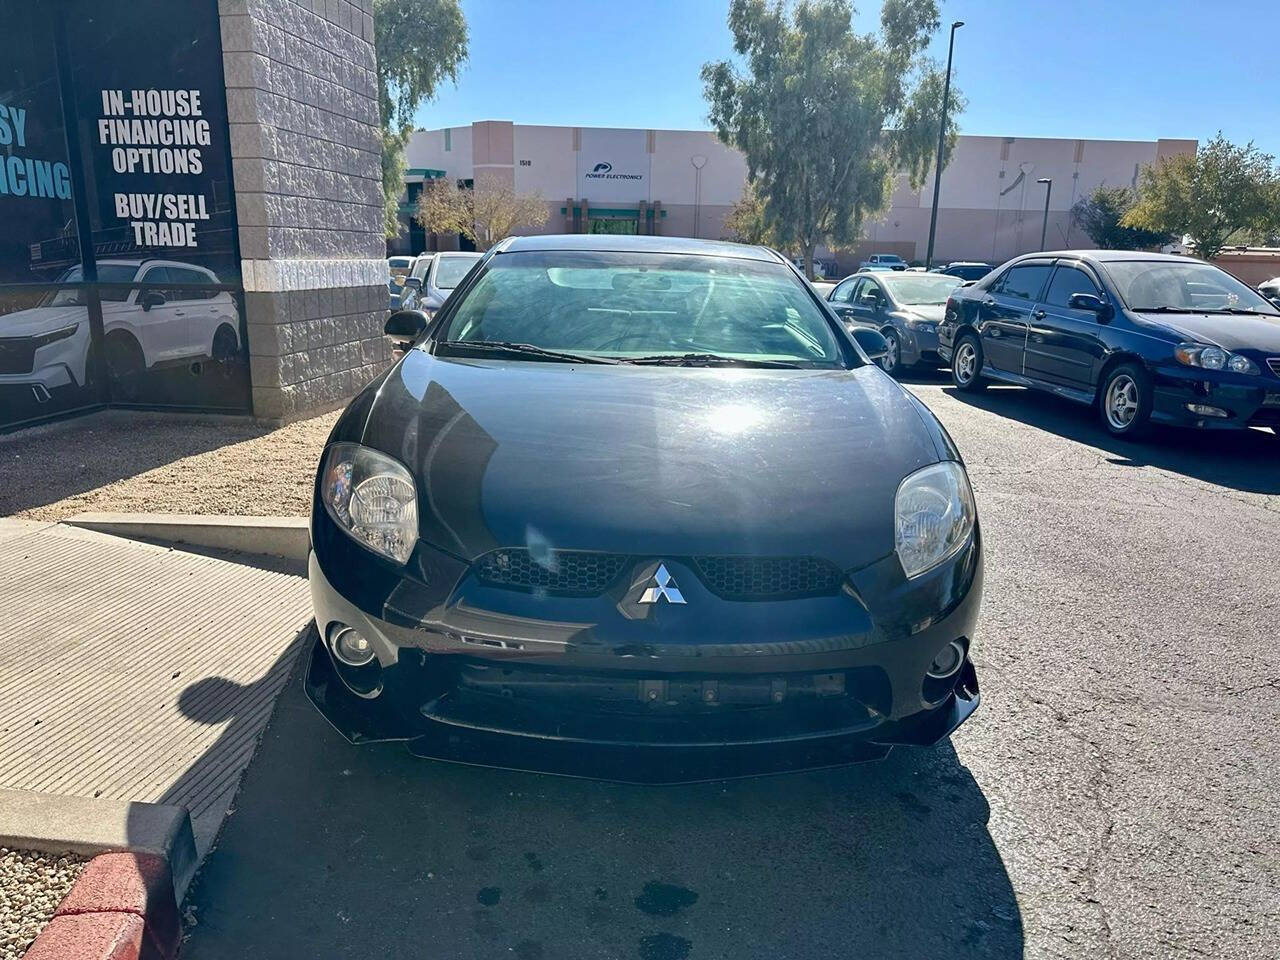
<point>683,183</point>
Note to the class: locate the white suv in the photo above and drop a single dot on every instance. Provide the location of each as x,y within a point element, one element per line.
<point>47,346</point>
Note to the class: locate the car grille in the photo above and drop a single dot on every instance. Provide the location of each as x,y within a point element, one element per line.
<point>17,354</point>
<point>1274,364</point>
<point>584,573</point>
<point>570,573</point>
<point>767,578</point>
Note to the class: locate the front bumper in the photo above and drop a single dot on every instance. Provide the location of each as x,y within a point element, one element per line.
<point>1247,401</point>
<point>467,685</point>
<point>919,344</point>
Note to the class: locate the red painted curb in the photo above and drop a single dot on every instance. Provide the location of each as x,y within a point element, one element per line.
<point>121,908</point>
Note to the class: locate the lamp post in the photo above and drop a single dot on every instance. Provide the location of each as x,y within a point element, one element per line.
<point>942,136</point>
<point>1048,192</point>
<point>698,161</point>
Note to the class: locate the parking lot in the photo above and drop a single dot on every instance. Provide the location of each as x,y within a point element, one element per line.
<point>1114,796</point>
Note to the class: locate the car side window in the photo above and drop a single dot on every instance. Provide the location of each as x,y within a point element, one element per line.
<point>185,275</point>
<point>1067,281</point>
<point>844,292</point>
<point>156,275</point>
<point>1024,281</point>
<point>868,291</point>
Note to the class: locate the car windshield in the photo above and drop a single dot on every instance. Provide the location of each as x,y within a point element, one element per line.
<point>1191,287</point>
<point>920,289</point>
<point>451,270</point>
<point>630,306</point>
<point>107,273</point>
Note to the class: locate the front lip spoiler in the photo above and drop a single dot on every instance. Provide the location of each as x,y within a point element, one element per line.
<point>364,721</point>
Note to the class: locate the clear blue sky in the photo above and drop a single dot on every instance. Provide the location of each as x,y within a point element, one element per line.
<point>1107,69</point>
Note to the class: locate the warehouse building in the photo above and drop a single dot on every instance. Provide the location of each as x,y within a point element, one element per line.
<point>683,183</point>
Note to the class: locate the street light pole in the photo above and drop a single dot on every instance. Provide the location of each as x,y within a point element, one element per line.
<point>942,136</point>
<point>1048,192</point>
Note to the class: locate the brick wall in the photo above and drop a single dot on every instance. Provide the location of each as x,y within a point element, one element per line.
<point>305,145</point>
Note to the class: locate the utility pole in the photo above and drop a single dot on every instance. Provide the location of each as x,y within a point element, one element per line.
<point>942,138</point>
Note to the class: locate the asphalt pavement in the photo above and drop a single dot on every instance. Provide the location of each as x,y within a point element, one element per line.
<point>1115,796</point>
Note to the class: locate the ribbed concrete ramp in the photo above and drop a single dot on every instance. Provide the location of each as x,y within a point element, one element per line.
<point>137,672</point>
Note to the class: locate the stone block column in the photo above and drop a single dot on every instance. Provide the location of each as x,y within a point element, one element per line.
<point>306,156</point>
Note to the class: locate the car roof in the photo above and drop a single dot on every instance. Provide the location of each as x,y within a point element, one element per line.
<point>636,244</point>
<point>458,253</point>
<point>1109,256</point>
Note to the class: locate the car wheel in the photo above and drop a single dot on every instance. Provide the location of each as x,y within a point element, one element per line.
<point>1125,400</point>
<point>966,364</point>
<point>125,366</point>
<point>891,362</point>
<point>225,349</point>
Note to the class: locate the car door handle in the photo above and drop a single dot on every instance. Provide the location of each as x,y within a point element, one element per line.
<point>1038,314</point>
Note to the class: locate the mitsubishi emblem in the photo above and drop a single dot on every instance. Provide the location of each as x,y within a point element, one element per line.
<point>661,587</point>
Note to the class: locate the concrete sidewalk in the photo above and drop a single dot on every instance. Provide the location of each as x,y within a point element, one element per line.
<point>136,672</point>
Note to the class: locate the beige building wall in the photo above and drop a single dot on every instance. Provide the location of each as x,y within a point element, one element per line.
<point>991,206</point>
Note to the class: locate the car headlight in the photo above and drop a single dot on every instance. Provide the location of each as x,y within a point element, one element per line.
<point>47,338</point>
<point>934,514</point>
<point>373,498</point>
<point>1213,358</point>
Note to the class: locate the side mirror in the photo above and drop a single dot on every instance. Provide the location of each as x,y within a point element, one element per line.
<point>1094,304</point>
<point>406,324</point>
<point>151,298</point>
<point>414,282</point>
<point>871,341</point>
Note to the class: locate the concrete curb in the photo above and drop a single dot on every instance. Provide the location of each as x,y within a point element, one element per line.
<point>287,537</point>
<point>122,907</point>
<point>48,823</point>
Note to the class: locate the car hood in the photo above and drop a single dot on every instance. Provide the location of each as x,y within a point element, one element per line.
<point>652,461</point>
<point>35,321</point>
<point>933,312</point>
<point>1231,331</point>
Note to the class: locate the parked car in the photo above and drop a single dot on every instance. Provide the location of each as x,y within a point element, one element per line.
<point>1145,337</point>
<point>1271,290</point>
<point>421,265</point>
<point>968,270</point>
<point>47,346</point>
<point>543,539</point>
<point>883,261</point>
<point>905,307</point>
<point>400,266</point>
<point>445,272</point>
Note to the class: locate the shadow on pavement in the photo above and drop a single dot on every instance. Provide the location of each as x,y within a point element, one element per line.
<point>207,786</point>
<point>1247,460</point>
<point>342,851</point>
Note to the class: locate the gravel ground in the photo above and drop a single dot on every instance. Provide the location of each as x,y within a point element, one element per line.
<point>131,462</point>
<point>31,887</point>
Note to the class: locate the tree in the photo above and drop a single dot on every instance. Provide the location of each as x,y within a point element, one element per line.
<point>1214,196</point>
<point>485,213</point>
<point>1100,214</point>
<point>746,222</point>
<point>825,117</point>
<point>419,44</point>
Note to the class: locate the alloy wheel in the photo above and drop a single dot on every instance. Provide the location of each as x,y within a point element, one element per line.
<point>893,354</point>
<point>966,362</point>
<point>1122,402</point>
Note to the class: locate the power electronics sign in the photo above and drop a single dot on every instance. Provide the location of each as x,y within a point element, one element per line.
<point>605,171</point>
<point>161,134</point>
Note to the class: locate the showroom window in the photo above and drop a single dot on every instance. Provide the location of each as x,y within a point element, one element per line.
<point>119,265</point>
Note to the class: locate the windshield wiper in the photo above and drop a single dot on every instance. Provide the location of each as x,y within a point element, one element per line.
<point>1166,309</point>
<point>709,360</point>
<point>526,349</point>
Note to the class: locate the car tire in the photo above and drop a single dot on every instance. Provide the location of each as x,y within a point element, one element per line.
<point>125,366</point>
<point>966,364</point>
<point>891,362</point>
<point>1125,400</point>
<point>226,349</point>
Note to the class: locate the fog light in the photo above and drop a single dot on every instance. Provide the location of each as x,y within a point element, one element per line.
<point>947,662</point>
<point>1204,410</point>
<point>351,647</point>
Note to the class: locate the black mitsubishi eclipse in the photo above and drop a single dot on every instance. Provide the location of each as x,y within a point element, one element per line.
<point>1145,337</point>
<point>641,508</point>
